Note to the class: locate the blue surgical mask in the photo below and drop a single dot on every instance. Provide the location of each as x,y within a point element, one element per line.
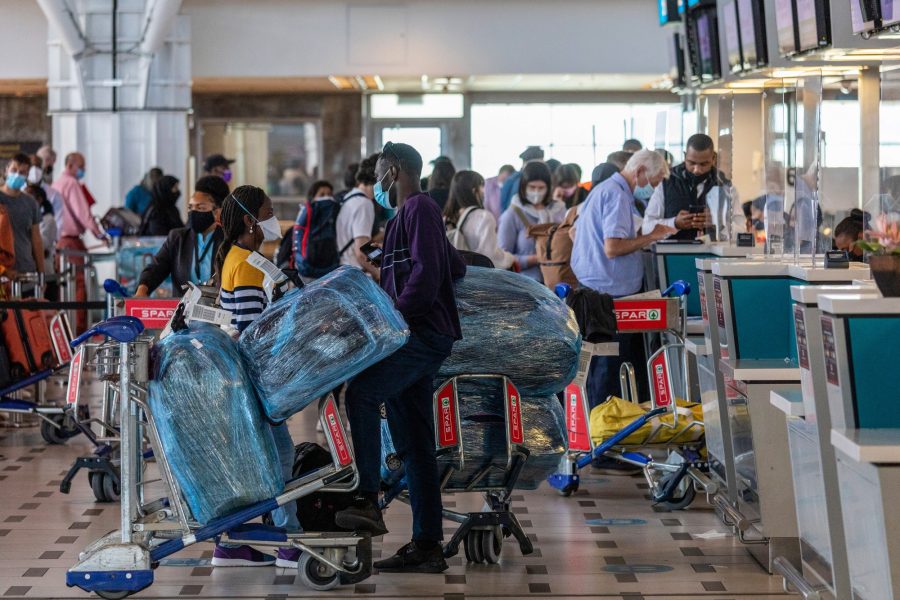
<point>15,181</point>
<point>643,192</point>
<point>79,174</point>
<point>382,196</point>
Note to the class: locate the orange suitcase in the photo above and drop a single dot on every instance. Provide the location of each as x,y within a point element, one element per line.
<point>26,334</point>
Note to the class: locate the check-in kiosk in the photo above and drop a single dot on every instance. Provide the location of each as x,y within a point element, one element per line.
<point>859,342</point>
<point>823,551</point>
<point>757,354</point>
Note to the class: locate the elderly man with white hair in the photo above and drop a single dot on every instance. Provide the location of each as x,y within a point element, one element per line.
<point>606,256</point>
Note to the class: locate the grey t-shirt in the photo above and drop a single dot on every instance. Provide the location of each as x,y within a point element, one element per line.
<point>24,213</point>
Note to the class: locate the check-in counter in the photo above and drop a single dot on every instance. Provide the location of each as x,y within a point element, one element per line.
<point>755,326</point>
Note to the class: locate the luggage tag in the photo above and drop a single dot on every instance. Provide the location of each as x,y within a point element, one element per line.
<point>273,277</point>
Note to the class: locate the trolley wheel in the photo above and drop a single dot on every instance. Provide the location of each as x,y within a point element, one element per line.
<point>113,594</point>
<point>110,487</point>
<point>474,550</point>
<point>683,501</point>
<point>568,490</point>
<point>491,545</point>
<point>58,435</point>
<point>316,575</point>
<point>96,481</point>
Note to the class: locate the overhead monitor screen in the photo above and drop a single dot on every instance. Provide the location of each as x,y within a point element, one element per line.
<point>747,24</point>
<point>890,12</point>
<point>707,43</point>
<point>732,37</point>
<point>668,12</point>
<point>784,20</point>
<point>857,20</point>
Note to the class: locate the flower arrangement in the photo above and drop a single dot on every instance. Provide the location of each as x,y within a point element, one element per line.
<point>885,240</point>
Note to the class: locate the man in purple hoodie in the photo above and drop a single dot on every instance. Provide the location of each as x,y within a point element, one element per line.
<point>418,269</point>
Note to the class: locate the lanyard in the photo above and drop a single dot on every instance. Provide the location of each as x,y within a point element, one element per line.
<point>198,257</point>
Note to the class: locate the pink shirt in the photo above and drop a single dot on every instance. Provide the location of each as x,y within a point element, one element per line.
<point>77,215</point>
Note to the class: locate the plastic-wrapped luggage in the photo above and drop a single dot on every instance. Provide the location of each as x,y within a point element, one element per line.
<point>612,416</point>
<point>315,338</point>
<point>133,255</point>
<point>514,326</point>
<point>484,439</point>
<point>210,423</point>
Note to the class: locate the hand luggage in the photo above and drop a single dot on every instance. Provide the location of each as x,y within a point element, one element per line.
<point>26,334</point>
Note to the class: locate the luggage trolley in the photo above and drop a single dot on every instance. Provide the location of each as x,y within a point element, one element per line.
<point>673,481</point>
<point>57,425</point>
<point>122,562</point>
<point>102,464</point>
<point>481,533</point>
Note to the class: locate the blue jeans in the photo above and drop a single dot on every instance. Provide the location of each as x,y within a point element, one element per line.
<point>603,375</point>
<point>285,516</point>
<point>404,382</point>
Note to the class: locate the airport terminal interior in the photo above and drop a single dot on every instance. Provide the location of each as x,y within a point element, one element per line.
<point>421,299</point>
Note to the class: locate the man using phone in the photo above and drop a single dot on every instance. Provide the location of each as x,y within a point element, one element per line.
<point>695,189</point>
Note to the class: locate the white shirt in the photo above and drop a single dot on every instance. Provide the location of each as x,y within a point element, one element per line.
<point>480,231</point>
<point>354,221</point>
<point>718,200</point>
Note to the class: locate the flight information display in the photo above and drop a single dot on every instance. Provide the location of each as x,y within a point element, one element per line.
<point>732,36</point>
<point>747,24</point>
<point>784,20</point>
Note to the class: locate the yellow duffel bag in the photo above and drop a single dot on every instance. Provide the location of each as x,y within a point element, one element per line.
<point>612,416</point>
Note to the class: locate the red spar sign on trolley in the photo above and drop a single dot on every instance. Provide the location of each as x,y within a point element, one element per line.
<point>60,340</point>
<point>448,436</point>
<point>514,414</point>
<point>74,378</point>
<point>641,315</point>
<point>155,314</point>
<point>660,374</point>
<point>337,434</point>
<point>579,440</point>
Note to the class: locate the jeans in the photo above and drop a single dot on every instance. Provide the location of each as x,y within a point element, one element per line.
<point>603,375</point>
<point>404,382</point>
<point>285,516</point>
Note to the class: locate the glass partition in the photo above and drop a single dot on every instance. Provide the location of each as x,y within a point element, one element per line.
<point>804,214</point>
<point>881,219</point>
<point>722,199</point>
<point>768,211</point>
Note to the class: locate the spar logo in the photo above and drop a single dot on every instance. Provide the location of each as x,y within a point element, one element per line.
<point>644,314</point>
<point>447,435</point>
<point>573,418</point>
<point>515,419</point>
<point>154,313</point>
<point>337,437</point>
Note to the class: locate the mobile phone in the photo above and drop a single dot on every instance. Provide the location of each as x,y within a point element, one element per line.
<point>373,253</point>
<point>697,209</point>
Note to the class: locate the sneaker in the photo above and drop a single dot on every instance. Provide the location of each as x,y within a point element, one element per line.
<point>611,466</point>
<point>361,516</point>
<point>242,556</point>
<point>412,559</point>
<point>287,558</point>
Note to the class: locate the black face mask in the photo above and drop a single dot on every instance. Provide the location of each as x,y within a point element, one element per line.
<point>200,221</point>
<point>696,180</point>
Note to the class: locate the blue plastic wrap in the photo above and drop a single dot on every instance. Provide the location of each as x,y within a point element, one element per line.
<point>210,424</point>
<point>132,256</point>
<point>315,338</point>
<point>514,326</point>
<point>484,440</point>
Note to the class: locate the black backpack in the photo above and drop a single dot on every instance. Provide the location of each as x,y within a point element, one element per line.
<point>315,250</point>
<point>316,511</point>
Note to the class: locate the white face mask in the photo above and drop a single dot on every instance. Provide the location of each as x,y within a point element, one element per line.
<point>534,197</point>
<point>35,175</point>
<point>270,228</point>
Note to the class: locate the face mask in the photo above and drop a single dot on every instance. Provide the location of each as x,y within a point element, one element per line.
<point>644,192</point>
<point>16,182</point>
<point>270,228</point>
<point>226,175</point>
<point>534,197</point>
<point>382,196</point>
<point>79,174</point>
<point>200,221</point>
<point>568,192</point>
<point>35,175</point>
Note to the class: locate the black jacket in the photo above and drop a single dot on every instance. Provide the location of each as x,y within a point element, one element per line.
<point>680,193</point>
<point>176,258</point>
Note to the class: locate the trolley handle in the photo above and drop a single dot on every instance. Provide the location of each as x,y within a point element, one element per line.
<point>677,289</point>
<point>122,329</point>
<point>114,288</point>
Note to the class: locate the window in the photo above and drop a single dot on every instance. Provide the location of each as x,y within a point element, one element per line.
<point>416,106</point>
<point>572,133</point>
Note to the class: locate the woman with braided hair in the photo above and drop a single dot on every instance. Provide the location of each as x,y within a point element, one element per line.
<point>248,220</point>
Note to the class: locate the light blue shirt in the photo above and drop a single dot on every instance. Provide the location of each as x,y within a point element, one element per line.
<point>200,247</point>
<point>608,213</point>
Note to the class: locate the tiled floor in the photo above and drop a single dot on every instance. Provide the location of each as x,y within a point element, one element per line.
<point>604,542</point>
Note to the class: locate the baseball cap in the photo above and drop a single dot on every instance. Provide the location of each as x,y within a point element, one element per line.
<point>216,160</point>
<point>532,153</point>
